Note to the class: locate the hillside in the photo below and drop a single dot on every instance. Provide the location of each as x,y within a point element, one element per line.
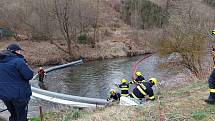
<point>114,39</point>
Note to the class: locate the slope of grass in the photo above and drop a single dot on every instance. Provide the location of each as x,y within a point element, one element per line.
<point>179,104</point>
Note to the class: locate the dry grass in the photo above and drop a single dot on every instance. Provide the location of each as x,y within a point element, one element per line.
<point>184,103</point>
<point>161,3</point>
<point>44,53</point>
<point>39,53</point>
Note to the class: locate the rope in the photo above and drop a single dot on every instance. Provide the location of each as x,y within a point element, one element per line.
<point>159,110</point>
<point>134,68</point>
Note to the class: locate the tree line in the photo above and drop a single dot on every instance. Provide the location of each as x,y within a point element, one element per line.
<point>70,20</point>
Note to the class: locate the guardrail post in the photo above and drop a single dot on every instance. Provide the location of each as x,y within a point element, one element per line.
<point>41,113</point>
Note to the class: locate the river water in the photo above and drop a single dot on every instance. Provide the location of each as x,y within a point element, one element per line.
<point>96,78</point>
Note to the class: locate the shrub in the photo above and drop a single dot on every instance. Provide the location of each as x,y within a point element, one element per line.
<point>210,2</point>
<point>82,39</point>
<point>184,42</point>
<point>144,13</point>
<point>182,49</point>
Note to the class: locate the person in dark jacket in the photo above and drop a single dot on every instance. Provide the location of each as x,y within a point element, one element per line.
<point>211,83</point>
<point>144,90</point>
<point>213,32</point>
<point>114,96</point>
<point>124,86</point>
<point>139,78</point>
<point>15,90</point>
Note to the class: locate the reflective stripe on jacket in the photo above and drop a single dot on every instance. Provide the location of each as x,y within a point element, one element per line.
<point>124,89</point>
<point>143,89</point>
<point>211,81</point>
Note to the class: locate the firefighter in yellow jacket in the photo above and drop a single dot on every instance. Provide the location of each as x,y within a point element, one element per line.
<point>124,86</point>
<point>213,32</point>
<point>144,90</point>
<point>139,78</point>
<point>211,82</point>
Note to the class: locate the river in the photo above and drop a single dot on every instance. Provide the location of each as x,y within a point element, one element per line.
<point>96,78</point>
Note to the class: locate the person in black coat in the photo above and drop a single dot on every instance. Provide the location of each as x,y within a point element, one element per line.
<point>15,90</point>
<point>211,83</point>
<point>144,90</point>
<point>124,86</point>
<point>139,78</point>
<point>114,96</point>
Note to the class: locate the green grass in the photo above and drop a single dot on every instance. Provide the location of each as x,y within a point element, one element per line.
<point>73,115</point>
<point>35,119</point>
<point>198,115</point>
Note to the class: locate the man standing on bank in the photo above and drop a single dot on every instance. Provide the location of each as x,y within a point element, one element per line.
<point>15,90</point>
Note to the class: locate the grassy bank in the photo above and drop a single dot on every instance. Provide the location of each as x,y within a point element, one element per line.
<point>185,102</point>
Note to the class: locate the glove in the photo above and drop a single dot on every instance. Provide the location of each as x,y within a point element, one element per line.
<point>116,84</point>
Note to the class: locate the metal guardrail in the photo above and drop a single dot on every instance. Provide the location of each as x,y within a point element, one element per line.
<point>64,96</point>
<point>60,67</point>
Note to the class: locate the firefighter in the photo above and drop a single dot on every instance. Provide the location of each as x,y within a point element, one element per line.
<point>41,74</point>
<point>144,90</point>
<point>211,82</point>
<point>114,96</point>
<point>139,78</point>
<point>124,86</point>
<point>213,32</point>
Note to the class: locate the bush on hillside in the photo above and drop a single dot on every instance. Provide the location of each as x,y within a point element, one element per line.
<point>210,2</point>
<point>186,42</point>
<point>143,13</point>
<point>82,39</point>
<point>189,48</point>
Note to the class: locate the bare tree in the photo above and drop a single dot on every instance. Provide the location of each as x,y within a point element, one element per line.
<point>95,24</point>
<point>64,13</point>
<point>74,18</point>
<point>184,40</point>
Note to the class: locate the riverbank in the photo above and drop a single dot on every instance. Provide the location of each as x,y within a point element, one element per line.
<point>44,53</point>
<point>185,103</point>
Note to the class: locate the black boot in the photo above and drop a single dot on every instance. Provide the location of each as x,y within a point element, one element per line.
<point>211,98</point>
